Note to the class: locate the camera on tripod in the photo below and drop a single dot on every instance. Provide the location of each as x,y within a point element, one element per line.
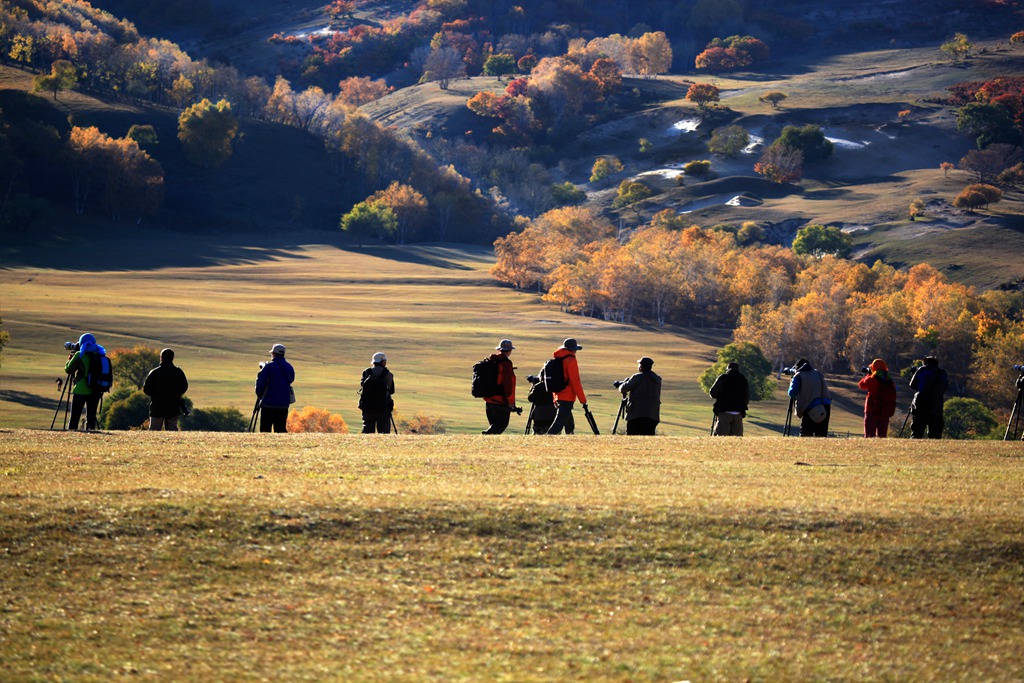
<point>617,383</point>
<point>532,379</point>
<point>790,371</point>
<point>72,346</point>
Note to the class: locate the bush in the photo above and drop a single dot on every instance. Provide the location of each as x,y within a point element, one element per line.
<point>419,424</point>
<point>215,420</point>
<point>695,167</point>
<point>754,366</point>
<point>311,419</point>
<point>128,413</point>
<point>968,418</point>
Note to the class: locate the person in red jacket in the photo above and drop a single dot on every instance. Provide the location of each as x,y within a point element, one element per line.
<point>880,403</point>
<point>573,390</point>
<point>500,406</point>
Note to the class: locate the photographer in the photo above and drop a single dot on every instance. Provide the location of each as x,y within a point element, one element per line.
<point>376,387</point>
<point>811,400</point>
<point>543,410</point>
<point>880,403</point>
<point>165,385</point>
<point>732,394</point>
<point>274,388</point>
<point>500,406</point>
<point>642,393</point>
<point>77,368</point>
<point>929,383</point>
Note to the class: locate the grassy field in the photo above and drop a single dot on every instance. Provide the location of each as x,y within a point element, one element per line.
<point>196,557</point>
<point>434,310</point>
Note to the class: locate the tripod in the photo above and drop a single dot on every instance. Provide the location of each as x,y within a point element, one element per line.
<point>393,425</point>
<point>714,423</point>
<point>1015,412</point>
<point>255,414</point>
<point>621,413</point>
<point>65,398</point>
<point>787,430</point>
<point>529,418</point>
<point>907,419</point>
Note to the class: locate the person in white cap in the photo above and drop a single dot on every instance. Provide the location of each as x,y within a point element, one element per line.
<point>274,389</point>
<point>499,406</point>
<point>375,390</point>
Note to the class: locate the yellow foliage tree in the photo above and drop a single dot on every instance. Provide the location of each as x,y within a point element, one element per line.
<point>311,419</point>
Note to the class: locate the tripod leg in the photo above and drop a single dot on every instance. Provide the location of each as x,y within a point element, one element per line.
<point>1014,415</point>
<point>787,430</point>
<point>393,425</point>
<point>65,390</point>
<point>904,424</point>
<point>255,414</point>
<point>618,416</point>
<point>714,422</point>
<point>529,418</point>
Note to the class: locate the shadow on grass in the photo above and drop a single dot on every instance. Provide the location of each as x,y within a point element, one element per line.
<point>448,257</point>
<point>28,400</point>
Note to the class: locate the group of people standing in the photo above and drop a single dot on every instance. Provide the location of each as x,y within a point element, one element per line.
<point>551,401</point>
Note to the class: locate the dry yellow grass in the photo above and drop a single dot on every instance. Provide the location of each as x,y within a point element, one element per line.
<point>197,557</point>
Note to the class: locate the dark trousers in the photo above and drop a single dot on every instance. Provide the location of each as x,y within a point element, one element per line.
<point>379,423</point>
<point>563,419</point>
<point>273,419</point>
<point>498,416</point>
<point>543,416</point>
<point>809,427</point>
<point>932,423</point>
<point>91,403</point>
<point>641,426</point>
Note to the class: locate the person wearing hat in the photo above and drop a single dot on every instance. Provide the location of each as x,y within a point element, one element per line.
<point>82,396</point>
<point>375,390</point>
<point>165,385</point>
<point>642,393</point>
<point>811,400</point>
<point>880,403</point>
<point>573,390</point>
<point>929,383</point>
<point>274,388</point>
<point>732,394</point>
<point>499,407</point>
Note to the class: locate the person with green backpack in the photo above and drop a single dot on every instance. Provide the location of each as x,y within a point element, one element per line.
<point>89,369</point>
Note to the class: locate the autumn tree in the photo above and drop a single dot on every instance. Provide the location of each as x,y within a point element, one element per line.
<point>207,130</point>
<point>916,208</point>
<point>605,167</point>
<point>408,206</point>
<point>958,48</point>
<point>719,59</point>
<point>654,54</point>
<point>728,140</point>
<point>443,65</point>
<point>318,420</point>
<point>359,90</point>
<point>946,167</point>
<point>62,76</point>
<point>977,196</point>
<point>819,240</point>
<point>702,94</point>
<point>630,192</point>
<point>988,163</point>
<point>780,164</point>
<point>773,97</point>
<point>132,366</point>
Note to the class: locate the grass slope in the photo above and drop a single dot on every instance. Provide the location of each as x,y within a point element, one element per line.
<point>199,557</point>
<point>433,309</point>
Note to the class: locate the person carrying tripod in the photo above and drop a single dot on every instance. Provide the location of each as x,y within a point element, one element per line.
<point>499,406</point>
<point>732,394</point>
<point>274,390</point>
<point>641,394</point>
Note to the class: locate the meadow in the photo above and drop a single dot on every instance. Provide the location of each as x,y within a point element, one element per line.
<point>232,557</point>
<point>434,310</point>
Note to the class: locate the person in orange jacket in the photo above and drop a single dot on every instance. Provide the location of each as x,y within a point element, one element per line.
<point>565,398</point>
<point>500,406</point>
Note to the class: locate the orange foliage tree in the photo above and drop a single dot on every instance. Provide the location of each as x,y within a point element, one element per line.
<point>311,419</point>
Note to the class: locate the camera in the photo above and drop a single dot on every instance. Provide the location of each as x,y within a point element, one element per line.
<point>1019,368</point>
<point>72,346</point>
<point>617,383</point>
<point>789,371</point>
<point>263,364</point>
<point>532,379</point>
<point>866,370</point>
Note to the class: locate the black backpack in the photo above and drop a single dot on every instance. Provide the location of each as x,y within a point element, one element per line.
<point>552,375</point>
<point>485,378</point>
<point>374,396</point>
<point>101,374</point>
<point>539,395</point>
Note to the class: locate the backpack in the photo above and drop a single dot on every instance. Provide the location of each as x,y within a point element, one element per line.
<point>485,379</point>
<point>539,395</point>
<point>553,375</point>
<point>374,396</point>
<point>101,374</point>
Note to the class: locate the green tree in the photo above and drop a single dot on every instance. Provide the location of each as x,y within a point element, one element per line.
<point>773,97</point>
<point>728,140</point>
<point>207,131</point>
<point>501,64</point>
<point>754,366</point>
<point>809,139</point>
<point>630,192</point>
<point>144,135</point>
<point>645,145</point>
<point>62,76</point>
<point>128,412</point>
<point>820,240</point>
<point>959,48</point>
<point>131,366</point>
<point>567,194</point>
<point>215,420</point>
<point>369,219</point>
<point>988,123</point>
<point>605,167</point>
<point>968,418</point>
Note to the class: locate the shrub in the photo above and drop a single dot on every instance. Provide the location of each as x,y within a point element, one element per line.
<point>702,167</point>
<point>311,419</point>
<point>968,418</point>
<point>419,424</point>
<point>129,412</point>
<point>215,420</point>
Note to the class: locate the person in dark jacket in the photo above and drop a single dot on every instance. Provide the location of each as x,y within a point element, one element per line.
<point>811,400</point>
<point>880,403</point>
<point>376,388</point>
<point>81,395</point>
<point>165,385</point>
<point>732,394</point>
<point>642,393</point>
<point>274,388</point>
<point>500,406</point>
<point>929,383</point>
<point>543,409</point>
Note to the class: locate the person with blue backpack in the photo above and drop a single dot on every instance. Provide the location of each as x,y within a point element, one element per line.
<point>89,370</point>
<point>274,389</point>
